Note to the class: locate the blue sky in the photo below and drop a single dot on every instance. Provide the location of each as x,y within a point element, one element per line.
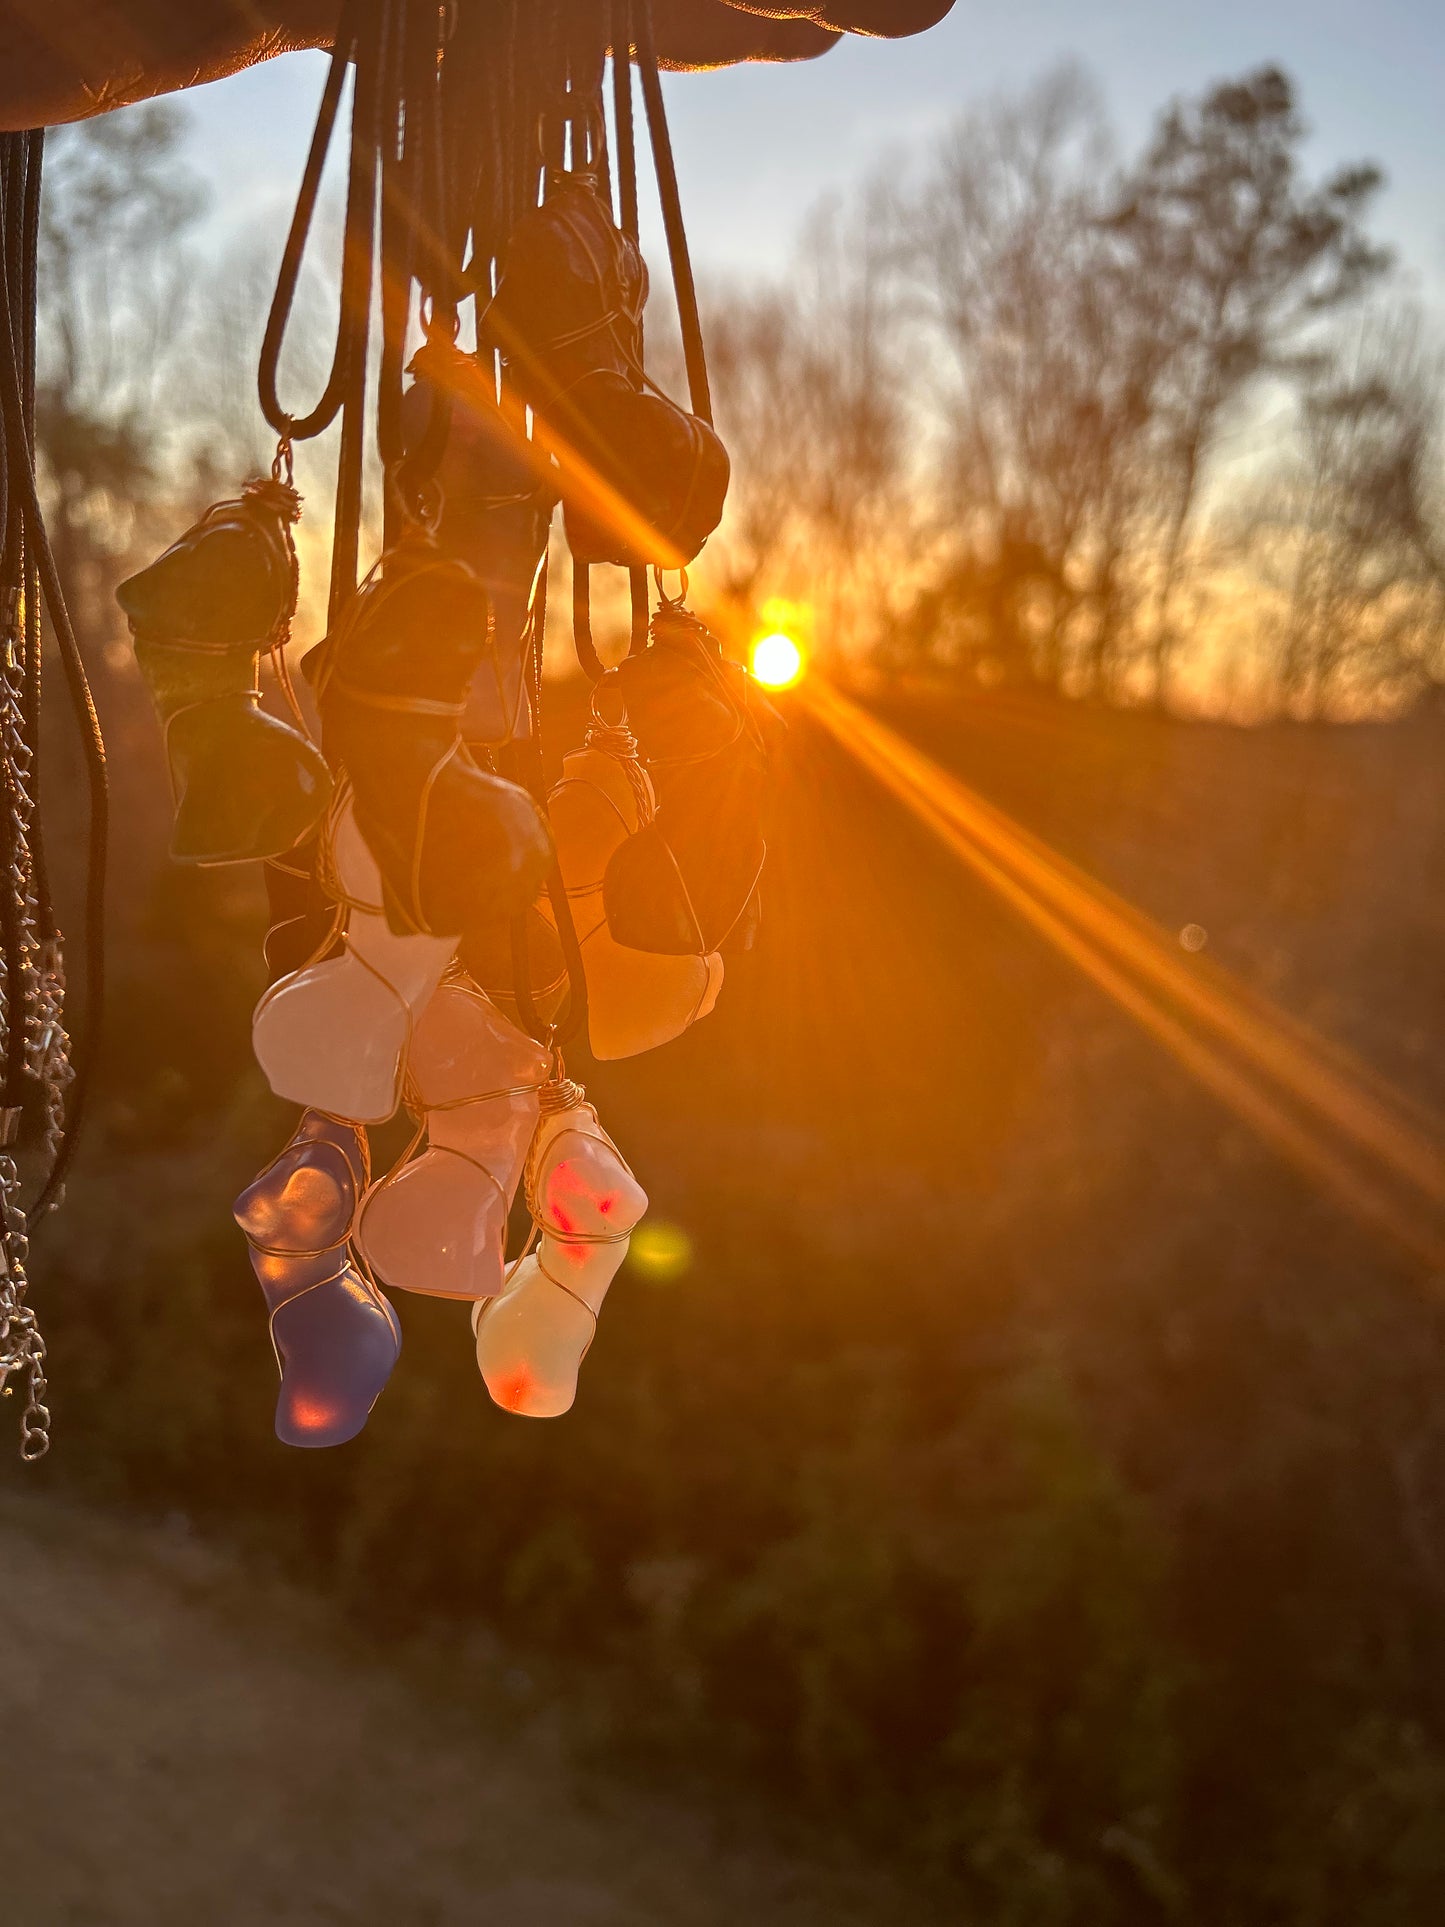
<point>758,146</point>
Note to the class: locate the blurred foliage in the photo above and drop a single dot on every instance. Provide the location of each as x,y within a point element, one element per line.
<point>1028,1475</point>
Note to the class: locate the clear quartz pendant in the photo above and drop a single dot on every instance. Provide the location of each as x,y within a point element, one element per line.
<point>532,1339</point>
<point>335,1035</point>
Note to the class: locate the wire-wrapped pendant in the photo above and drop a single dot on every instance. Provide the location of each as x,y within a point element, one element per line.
<point>636,999</point>
<point>571,295</point>
<point>663,476</point>
<point>335,1337</point>
<point>642,480</point>
<point>437,1223</point>
<point>688,882</point>
<point>245,784</point>
<point>456,846</point>
<point>334,1035</point>
<point>585,1202</point>
<point>496,492</point>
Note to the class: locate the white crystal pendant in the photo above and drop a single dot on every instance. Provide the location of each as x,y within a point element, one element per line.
<point>438,1224</point>
<point>532,1339</point>
<point>334,1036</point>
<point>635,999</point>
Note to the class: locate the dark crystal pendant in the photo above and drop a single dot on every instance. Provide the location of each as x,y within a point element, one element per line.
<point>245,783</point>
<point>687,883</point>
<point>496,496</point>
<point>456,846</point>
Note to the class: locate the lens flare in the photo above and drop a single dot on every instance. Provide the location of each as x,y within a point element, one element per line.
<point>1378,1152</point>
<point>660,1251</point>
<point>777,661</point>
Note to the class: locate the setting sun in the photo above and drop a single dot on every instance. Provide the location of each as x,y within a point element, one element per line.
<point>777,661</point>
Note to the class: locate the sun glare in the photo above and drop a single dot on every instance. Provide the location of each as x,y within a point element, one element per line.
<point>1343,1126</point>
<point>777,661</point>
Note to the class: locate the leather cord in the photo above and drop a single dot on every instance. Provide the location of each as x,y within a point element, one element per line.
<point>28,573</point>
<point>683,283</point>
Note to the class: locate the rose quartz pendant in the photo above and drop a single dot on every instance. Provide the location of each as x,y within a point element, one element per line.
<point>438,1224</point>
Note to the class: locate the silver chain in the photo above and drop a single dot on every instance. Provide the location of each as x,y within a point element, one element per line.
<point>35,1001</point>
<point>22,1345</point>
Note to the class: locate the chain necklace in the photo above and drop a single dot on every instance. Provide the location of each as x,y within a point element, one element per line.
<point>32,995</point>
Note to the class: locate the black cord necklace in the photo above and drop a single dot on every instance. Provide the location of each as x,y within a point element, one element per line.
<point>40,1073</point>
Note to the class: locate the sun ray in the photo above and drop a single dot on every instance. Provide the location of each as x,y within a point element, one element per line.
<point>1337,1120</point>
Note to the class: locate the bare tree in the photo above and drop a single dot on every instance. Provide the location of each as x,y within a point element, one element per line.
<point>1351,535</point>
<point>1102,326</point>
<point>1045,386</point>
<point>1235,261</point>
<point>815,412</point>
<point>113,286</point>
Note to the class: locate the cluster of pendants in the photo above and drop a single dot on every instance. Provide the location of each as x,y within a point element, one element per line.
<point>402,864</point>
<point>392,1020</point>
<point>386,1016</point>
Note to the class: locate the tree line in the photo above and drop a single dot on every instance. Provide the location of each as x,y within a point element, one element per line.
<point>1152,430</point>
<point>1145,430</point>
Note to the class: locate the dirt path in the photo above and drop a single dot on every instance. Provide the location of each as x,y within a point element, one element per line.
<point>181,1747</point>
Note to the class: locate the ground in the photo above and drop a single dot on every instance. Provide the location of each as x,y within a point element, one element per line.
<point>187,1744</point>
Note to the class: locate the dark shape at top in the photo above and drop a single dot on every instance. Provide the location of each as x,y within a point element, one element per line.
<point>71,59</point>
